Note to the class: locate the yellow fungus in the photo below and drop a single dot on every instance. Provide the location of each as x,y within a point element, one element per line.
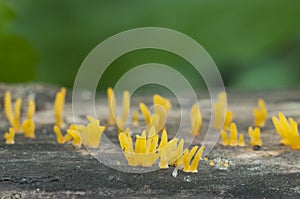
<point>206,159</point>
<point>228,120</point>
<point>176,157</point>
<point>233,140</point>
<point>28,125</point>
<point>59,107</point>
<point>197,158</point>
<point>8,107</point>
<point>16,124</point>
<point>146,114</point>
<point>94,131</point>
<point>225,140</point>
<point>287,130</point>
<point>211,163</point>
<point>140,146</point>
<point>241,140</point>
<point>112,105</point>
<point>126,106</point>
<point>260,114</point>
<point>164,140</point>
<point>135,118</point>
<point>76,137</point>
<point>220,110</point>
<point>254,135</point>
<point>10,136</point>
<point>164,102</point>
<point>189,166</point>
<point>59,137</point>
<point>196,120</point>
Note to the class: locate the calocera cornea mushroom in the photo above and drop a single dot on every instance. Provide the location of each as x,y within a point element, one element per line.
<point>234,139</point>
<point>260,114</point>
<point>111,105</point>
<point>255,139</point>
<point>220,110</point>
<point>196,119</point>
<point>10,136</point>
<point>28,125</point>
<point>13,116</point>
<point>192,166</point>
<point>287,130</point>
<point>59,107</point>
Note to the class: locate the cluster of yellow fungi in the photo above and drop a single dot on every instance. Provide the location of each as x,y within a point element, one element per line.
<point>152,145</point>
<point>27,127</point>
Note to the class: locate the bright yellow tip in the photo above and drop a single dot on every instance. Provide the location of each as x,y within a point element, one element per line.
<point>176,158</point>
<point>94,132</point>
<point>164,140</point>
<point>31,109</point>
<point>164,102</point>
<point>16,124</point>
<point>241,140</point>
<point>126,106</point>
<point>225,141</point>
<point>140,144</point>
<point>59,137</point>
<point>10,137</point>
<point>233,140</point>
<point>28,128</point>
<point>196,160</point>
<point>112,105</point>
<point>135,118</point>
<point>76,137</point>
<point>187,157</point>
<point>287,130</point>
<point>146,114</point>
<point>220,110</point>
<point>8,107</point>
<point>260,114</point>
<point>228,120</point>
<point>196,120</point>
<point>254,135</point>
<point>59,107</point>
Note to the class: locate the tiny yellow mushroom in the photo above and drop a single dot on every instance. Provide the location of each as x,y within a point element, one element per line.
<point>112,106</point>
<point>146,114</point>
<point>126,106</point>
<point>196,160</point>
<point>241,140</point>
<point>135,118</point>
<point>220,110</point>
<point>59,107</point>
<point>28,125</point>
<point>211,163</point>
<point>260,114</point>
<point>94,132</point>
<point>164,102</point>
<point>16,124</point>
<point>233,140</point>
<point>59,137</point>
<point>10,137</point>
<point>8,107</point>
<point>196,120</point>
<point>140,146</point>
<point>187,157</point>
<point>225,140</point>
<point>228,120</point>
<point>177,158</point>
<point>254,135</point>
<point>76,137</point>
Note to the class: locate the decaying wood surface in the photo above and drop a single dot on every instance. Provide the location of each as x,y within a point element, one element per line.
<point>42,168</point>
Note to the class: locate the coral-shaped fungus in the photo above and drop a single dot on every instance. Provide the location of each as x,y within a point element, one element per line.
<point>10,136</point>
<point>13,117</point>
<point>220,110</point>
<point>260,114</point>
<point>196,119</point>
<point>188,164</point>
<point>228,120</point>
<point>28,125</point>
<point>287,130</point>
<point>59,107</point>
<point>112,105</point>
<point>254,135</point>
<point>233,137</point>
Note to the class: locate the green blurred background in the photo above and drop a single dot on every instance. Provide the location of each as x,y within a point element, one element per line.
<point>255,44</point>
